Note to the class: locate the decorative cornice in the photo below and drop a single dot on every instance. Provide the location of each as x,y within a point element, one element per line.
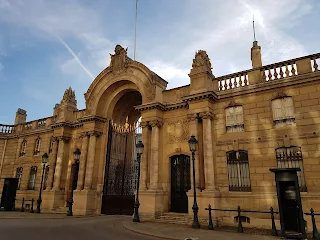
<point>61,124</point>
<point>151,106</point>
<point>92,119</point>
<point>176,106</point>
<point>200,96</point>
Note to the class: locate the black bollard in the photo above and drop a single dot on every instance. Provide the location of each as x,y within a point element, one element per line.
<point>32,201</point>
<point>14,204</point>
<point>315,234</point>
<point>22,206</point>
<point>240,228</point>
<point>274,231</point>
<point>210,225</point>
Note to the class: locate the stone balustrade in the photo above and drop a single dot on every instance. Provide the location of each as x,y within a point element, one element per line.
<point>42,123</point>
<point>7,129</point>
<point>271,72</point>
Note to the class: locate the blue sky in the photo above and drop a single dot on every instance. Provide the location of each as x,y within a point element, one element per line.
<point>47,46</point>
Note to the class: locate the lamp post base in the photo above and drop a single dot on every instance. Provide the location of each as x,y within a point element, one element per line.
<point>70,203</point>
<point>136,217</point>
<point>195,223</point>
<point>39,201</point>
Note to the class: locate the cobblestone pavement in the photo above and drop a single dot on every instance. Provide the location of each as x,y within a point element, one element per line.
<point>34,226</point>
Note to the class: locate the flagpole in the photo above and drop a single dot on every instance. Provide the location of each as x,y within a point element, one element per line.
<point>135,31</point>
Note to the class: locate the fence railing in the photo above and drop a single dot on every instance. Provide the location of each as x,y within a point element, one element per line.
<point>315,233</point>
<point>23,204</point>
<point>240,217</point>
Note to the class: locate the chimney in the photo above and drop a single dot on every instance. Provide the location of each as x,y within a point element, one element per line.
<point>256,55</point>
<point>21,116</point>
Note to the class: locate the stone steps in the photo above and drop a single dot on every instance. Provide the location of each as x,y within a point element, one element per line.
<point>174,218</point>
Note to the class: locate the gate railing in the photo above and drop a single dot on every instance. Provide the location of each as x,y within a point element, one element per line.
<point>240,218</point>
<point>315,233</point>
<point>23,204</point>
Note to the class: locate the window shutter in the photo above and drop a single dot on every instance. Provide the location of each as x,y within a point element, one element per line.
<point>288,107</point>
<point>238,115</point>
<point>230,116</point>
<point>277,109</point>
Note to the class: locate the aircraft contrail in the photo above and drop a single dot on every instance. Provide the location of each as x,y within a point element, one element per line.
<point>75,56</point>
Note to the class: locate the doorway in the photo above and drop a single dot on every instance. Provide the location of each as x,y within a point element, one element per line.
<point>9,193</point>
<point>180,183</point>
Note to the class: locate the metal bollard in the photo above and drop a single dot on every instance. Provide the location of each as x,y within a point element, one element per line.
<point>315,234</point>
<point>32,201</point>
<point>210,225</point>
<point>240,228</point>
<point>274,231</point>
<point>22,206</point>
<point>14,204</point>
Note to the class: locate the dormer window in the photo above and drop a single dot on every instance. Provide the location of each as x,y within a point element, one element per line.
<point>283,111</point>
<point>23,148</point>
<point>37,146</point>
<point>234,118</point>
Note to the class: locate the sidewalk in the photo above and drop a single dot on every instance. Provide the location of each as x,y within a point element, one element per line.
<point>182,232</point>
<point>27,215</point>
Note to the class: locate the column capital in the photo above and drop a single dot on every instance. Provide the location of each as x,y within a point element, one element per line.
<point>63,138</point>
<point>84,134</point>
<point>144,124</point>
<point>94,133</point>
<point>54,139</point>
<point>206,115</point>
<point>156,123</point>
<point>192,117</point>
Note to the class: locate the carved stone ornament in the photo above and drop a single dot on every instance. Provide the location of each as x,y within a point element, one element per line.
<point>63,138</point>
<point>119,60</point>
<point>94,133</point>
<point>150,91</point>
<point>192,117</point>
<point>201,62</point>
<point>69,96</point>
<point>233,103</point>
<point>156,123</point>
<point>144,124</point>
<point>206,115</point>
<point>280,94</point>
<point>178,131</point>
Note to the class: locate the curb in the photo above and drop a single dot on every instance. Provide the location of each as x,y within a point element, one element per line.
<point>145,233</point>
<point>47,217</point>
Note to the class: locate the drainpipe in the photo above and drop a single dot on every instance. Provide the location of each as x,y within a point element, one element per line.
<point>3,154</point>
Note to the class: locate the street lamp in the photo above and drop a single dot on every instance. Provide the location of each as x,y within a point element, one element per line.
<point>76,156</point>
<point>139,148</point>
<point>44,162</point>
<point>193,144</point>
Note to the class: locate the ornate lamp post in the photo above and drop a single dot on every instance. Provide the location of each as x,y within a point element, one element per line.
<point>44,162</point>
<point>193,144</point>
<point>76,156</point>
<point>139,147</point>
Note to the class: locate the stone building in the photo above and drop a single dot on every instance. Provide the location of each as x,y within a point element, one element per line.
<point>245,122</point>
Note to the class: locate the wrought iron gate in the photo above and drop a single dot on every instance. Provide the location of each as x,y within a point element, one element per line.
<point>180,183</point>
<point>121,171</point>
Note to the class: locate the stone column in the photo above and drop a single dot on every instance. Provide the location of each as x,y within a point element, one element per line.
<point>52,163</point>
<point>193,131</point>
<point>144,161</point>
<point>83,160</point>
<point>207,150</point>
<point>90,160</point>
<point>154,175</point>
<point>58,168</point>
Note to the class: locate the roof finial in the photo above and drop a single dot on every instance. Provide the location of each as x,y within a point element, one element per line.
<point>255,42</point>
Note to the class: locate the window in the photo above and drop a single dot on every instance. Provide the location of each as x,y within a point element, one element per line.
<point>51,145</point>
<point>19,176</point>
<point>46,177</point>
<point>23,148</point>
<point>234,119</point>
<point>32,178</point>
<point>239,174</point>
<point>291,157</point>
<point>283,112</point>
<point>37,146</point>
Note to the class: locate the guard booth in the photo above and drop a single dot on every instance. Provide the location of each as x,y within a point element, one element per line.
<point>8,193</point>
<point>289,200</point>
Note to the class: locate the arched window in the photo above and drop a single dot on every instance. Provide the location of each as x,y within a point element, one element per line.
<point>238,171</point>
<point>23,148</point>
<point>283,111</point>
<point>234,119</point>
<point>37,146</point>
<point>19,176</point>
<point>46,177</point>
<point>32,178</point>
<point>291,157</point>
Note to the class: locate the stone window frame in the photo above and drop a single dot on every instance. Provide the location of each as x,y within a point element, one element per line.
<point>37,146</point>
<point>19,172</point>
<point>283,116</point>
<point>32,178</point>
<point>23,148</point>
<point>291,157</point>
<point>237,126</point>
<point>238,171</point>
